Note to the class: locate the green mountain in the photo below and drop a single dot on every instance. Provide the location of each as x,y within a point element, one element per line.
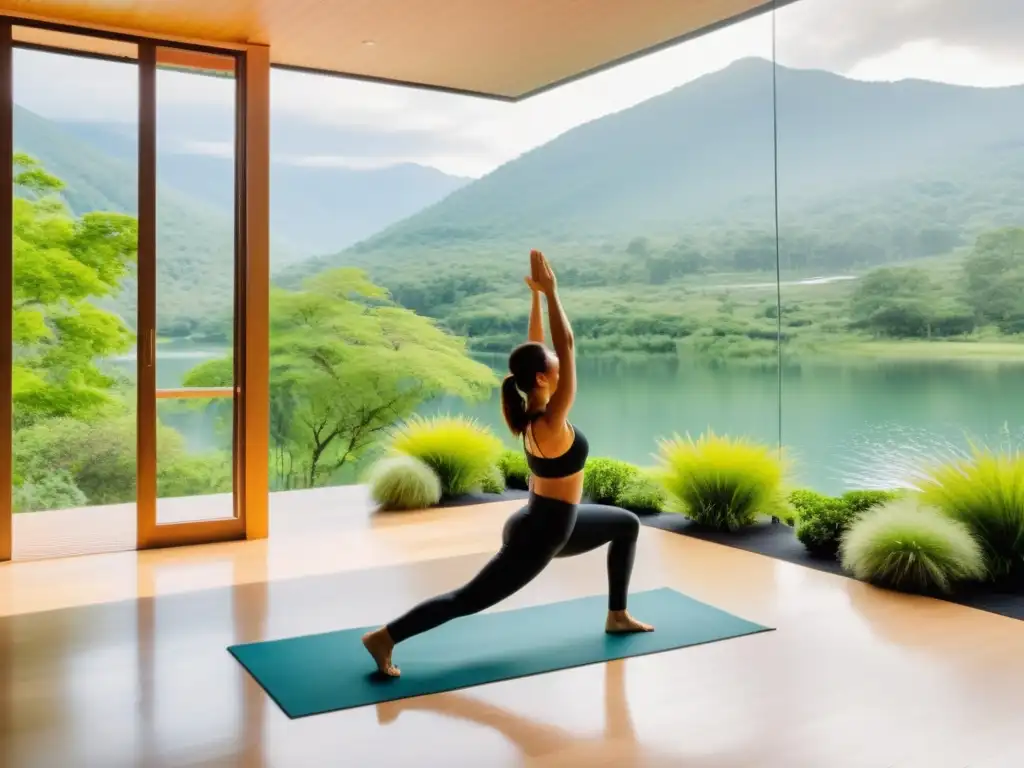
<point>868,173</point>
<point>314,209</point>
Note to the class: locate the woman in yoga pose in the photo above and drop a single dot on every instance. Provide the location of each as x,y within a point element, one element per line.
<point>536,398</point>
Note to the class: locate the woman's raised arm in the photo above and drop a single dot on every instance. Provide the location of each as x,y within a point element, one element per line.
<point>536,331</point>
<point>563,341</point>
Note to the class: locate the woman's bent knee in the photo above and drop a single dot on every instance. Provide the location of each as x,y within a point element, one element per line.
<point>634,523</point>
<point>627,524</point>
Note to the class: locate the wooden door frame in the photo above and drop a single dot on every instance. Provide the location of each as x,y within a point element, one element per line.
<point>252,288</point>
<point>6,287</point>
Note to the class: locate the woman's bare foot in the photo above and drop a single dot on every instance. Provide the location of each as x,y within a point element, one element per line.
<point>620,622</point>
<point>380,645</point>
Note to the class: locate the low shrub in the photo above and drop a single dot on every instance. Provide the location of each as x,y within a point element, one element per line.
<point>605,479</point>
<point>514,469</point>
<point>461,451</point>
<point>494,481</point>
<point>986,493</point>
<point>821,520</point>
<point>799,501</point>
<point>403,482</point>
<point>719,482</point>
<point>910,548</point>
<point>643,495</point>
<point>56,490</point>
<point>861,501</point>
<point>821,527</point>
<point>803,499</point>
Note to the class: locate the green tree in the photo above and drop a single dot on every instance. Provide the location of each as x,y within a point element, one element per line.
<point>893,302</point>
<point>346,364</point>
<point>994,273</point>
<point>62,266</point>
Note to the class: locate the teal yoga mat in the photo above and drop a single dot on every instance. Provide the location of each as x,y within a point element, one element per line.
<point>327,672</point>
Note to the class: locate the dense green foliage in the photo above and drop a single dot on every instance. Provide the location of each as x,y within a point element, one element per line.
<point>643,495</point>
<point>801,501</point>
<point>514,469</point>
<point>821,521</point>
<point>96,463</point>
<point>62,266</point>
<point>55,490</point>
<point>821,527</point>
<point>605,479</point>
<point>719,482</point>
<point>460,451</point>
<point>913,549</point>
<point>403,482</point>
<point>985,492</point>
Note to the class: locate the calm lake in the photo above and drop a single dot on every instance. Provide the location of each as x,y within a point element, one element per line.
<point>854,425</point>
<point>843,425</point>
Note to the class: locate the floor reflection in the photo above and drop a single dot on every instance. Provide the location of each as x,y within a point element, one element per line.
<point>618,744</point>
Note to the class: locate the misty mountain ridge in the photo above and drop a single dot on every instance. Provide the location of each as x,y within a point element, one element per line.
<point>314,208</point>
<point>704,154</point>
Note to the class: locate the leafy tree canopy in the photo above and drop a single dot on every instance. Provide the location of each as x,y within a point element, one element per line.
<point>994,273</point>
<point>346,363</point>
<point>62,265</point>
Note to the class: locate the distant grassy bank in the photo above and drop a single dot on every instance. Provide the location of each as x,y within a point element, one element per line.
<point>920,310</point>
<point>947,351</point>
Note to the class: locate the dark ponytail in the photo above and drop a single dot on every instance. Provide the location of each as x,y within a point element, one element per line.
<point>513,406</point>
<point>525,363</point>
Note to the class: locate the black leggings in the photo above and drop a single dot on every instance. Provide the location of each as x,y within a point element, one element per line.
<point>542,530</point>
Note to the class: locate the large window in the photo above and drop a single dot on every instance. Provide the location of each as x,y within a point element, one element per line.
<point>901,170</point>
<point>649,186</point>
<point>796,229</point>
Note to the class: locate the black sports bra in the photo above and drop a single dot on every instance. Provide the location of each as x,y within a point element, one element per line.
<point>569,463</point>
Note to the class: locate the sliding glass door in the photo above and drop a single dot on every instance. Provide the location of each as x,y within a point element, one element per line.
<point>125,270</point>
<point>190,261</point>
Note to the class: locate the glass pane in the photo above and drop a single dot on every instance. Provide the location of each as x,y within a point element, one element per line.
<point>75,123</point>
<point>649,185</point>
<point>193,450</point>
<point>901,172</point>
<point>195,283</point>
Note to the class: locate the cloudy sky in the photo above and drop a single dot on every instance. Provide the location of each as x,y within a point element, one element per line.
<point>332,121</point>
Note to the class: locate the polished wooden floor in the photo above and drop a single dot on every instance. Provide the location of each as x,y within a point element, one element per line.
<point>119,660</point>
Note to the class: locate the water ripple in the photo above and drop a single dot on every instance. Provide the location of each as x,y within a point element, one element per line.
<point>892,455</point>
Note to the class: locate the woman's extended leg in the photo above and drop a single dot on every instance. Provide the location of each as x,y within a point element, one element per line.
<point>597,525</point>
<point>532,538</point>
